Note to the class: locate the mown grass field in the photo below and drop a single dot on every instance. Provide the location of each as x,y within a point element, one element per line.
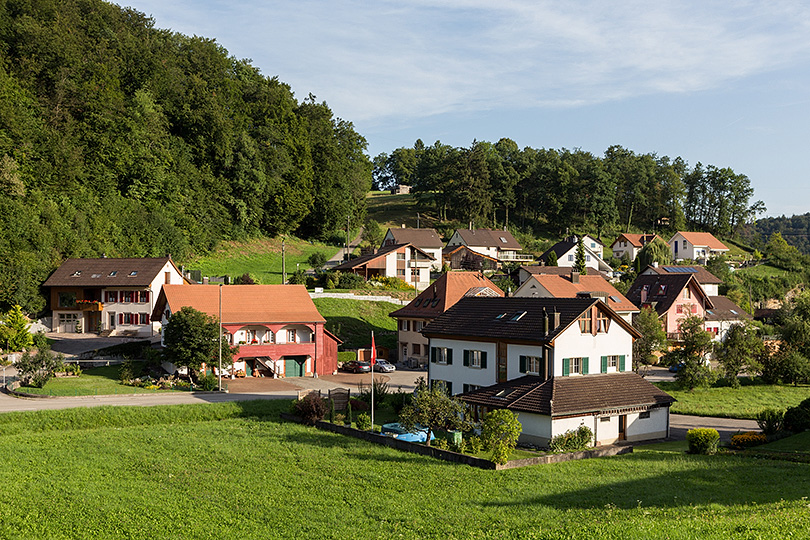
<point>235,471</point>
<point>795,444</point>
<point>260,257</point>
<point>354,320</point>
<point>726,402</point>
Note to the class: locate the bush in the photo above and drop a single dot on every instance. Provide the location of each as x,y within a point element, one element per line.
<point>363,422</point>
<point>380,391</point>
<point>208,382</point>
<point>311,408</point>
<point>797,419</point>
<point>398,400</point>
<point>500,433</point>
<point>748,439</point>
<point>702,441</point>
<point>126,372</point>
<point>475,444</point>
<point>441,443</point>
<point>358,405</point>
<point>572,440</point>
<point>40,341</point>
<point>770,421</point>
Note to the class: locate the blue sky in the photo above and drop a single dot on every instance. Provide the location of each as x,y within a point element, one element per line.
<point>722,83</point>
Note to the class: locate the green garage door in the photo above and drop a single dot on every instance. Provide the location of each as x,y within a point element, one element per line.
<point>294,366</point>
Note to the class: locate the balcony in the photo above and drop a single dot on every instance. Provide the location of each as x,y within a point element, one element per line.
<point>417,263</point>
<point>89,305</point>
<point>510,256</point>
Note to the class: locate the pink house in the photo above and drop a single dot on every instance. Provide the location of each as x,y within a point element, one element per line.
<point>672,296</point>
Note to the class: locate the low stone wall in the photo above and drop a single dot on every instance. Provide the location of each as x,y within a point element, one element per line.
<point>455,457</point>
<point>367,298</point>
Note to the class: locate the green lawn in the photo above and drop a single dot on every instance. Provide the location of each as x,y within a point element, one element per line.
<point>353,320</point>
<point>795,444</point>
<point>234,470</point>
<point>743,402</point>
<point>95,381</point>
<point>765,270</point>
<point>260,257</point>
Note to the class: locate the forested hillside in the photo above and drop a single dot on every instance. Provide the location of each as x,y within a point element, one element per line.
<point>795,230</point>
<point>120,138</point>
<point>501,184</point>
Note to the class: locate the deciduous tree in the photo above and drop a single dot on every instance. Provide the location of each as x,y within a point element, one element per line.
<point>191,339</point>
<point>431,409</point>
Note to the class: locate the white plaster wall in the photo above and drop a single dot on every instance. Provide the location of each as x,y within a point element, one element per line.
<point>391,265</point>
<point>654,427</point>
<point>536,428</point>
<point>457,373</point>
<point>573,343</point>
<point>513,354</point>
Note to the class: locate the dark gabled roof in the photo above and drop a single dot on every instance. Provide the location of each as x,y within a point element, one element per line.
<point>423,238</point>
<point>559,249</point>
<point>561,396</point>
<point>662,290</point>
<point>488,238</point>
<point>702,275</point>
<point>521,319</point>
<point>446,291</point>
<point>537,269</point>
<point>725,310</point>
<point>107,272</point>
<point>382,252</point>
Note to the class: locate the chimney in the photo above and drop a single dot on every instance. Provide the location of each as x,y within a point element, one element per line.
<point>574,276</point>
<point>555,319</point>
<point>403,225</point>
<point>643,296</point>
<point>545,321</point>
<point>205,280</point>
<point>655,264</point>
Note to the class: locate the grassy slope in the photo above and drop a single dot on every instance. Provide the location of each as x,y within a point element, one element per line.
<point>744,402</point>
<point>260,257</point>
<point>796,444</point>
<point>353,321</point>
<point>235,471</point>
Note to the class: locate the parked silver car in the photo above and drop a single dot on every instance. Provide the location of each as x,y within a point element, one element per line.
<point>383,366</point>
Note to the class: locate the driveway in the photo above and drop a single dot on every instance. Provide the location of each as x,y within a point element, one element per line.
<point>726,427</point>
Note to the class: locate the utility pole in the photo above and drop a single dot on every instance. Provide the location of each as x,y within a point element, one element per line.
<point>347,237</point>
<point>219,371</point>
<point>283,262</point>
<point>417,220</point>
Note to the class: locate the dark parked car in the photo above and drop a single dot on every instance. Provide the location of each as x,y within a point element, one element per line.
<point>354,366</point>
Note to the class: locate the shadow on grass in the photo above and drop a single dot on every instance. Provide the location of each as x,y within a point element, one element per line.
<point>722,480</point>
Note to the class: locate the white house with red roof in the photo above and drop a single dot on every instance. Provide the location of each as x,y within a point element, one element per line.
<point>407,262</point>
<point>428,240</point>
<point>498,244</point>
<point>698,246</point>
<point>630,244</point>
<point>278,329</point>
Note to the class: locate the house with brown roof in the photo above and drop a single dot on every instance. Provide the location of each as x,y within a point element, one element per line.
<point>108,295</point>
<point>574,285</point>
<point>708,281</point>
<point>278,329</point>
<point>558,362</point>
<point>464,258</point>
<point>630,244</point>
<point>428,240</point>
<point>500,245</point>
<point>697,246</point>
<point>723,314</point>
<point>432,302</point>
<point>404,261</point>
<point>673,296</point>
<point>526,271</point>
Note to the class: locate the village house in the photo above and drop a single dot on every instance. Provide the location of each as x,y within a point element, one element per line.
<point>566,252</point>
<point>630,244</point>
<point>697,246</point>
<point>525,272</point>
<point>404,261</point>
<point>672,296</point>
<point>558,363</point>
<point>574,285</point>
<point>432,302</point>
<point>500,245</point>
<point>428,240</point>
<point>463,258</point>
<point>109,296</point>
<point>278,329</point>
<point>708,281</point>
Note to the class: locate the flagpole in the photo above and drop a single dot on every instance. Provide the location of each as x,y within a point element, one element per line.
<point>373,361</point>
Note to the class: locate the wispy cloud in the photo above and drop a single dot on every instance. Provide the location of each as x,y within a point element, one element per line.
<point>391,60</point>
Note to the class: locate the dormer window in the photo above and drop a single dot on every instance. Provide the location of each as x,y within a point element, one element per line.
<point>133,273</point>
<point>662,290</point>
<point>113,273</point>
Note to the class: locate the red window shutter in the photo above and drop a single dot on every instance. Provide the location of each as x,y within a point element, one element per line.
<point>120,318</point>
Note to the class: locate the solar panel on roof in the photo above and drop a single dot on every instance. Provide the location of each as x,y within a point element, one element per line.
<point>680,270</point>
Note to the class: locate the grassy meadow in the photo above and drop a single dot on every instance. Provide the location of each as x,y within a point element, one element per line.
<point>235,470</point>
<point>727,402</point>
<point>353,321</point>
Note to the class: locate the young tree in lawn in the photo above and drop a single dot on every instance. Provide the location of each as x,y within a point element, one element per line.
<point>653,338</point>
<point>373,233</point>
<point>190,339</point>
<point>740,351</point>
<point>500,432</point>
<point>696,344</point>
<point>655,251</point>
<point>16,335</point>
<point>579,260</point>
<point>431,409</point>
<point>317,260</point>
<point>551,258</point>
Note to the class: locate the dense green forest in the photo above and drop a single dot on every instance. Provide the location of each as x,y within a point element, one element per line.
<point>119,138</point>
<point>545,189</point>
<point>795,230</point>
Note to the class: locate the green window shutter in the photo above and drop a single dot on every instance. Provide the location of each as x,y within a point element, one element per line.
<point>433,353</point>
<point>566,367</point>
<point>466,360</point>
<point>449,388</point>
<point>449,356</point>
<point>483,359</point>
<point>585,366</point>
<point>604,364</point>
<point>522,364</point>
<point>621,363</point>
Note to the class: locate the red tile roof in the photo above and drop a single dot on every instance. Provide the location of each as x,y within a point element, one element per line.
<point>444,293</point>
<point>242,303</point>
<point>564,287</point>
<point>638,240</point>
<point>701,239</point>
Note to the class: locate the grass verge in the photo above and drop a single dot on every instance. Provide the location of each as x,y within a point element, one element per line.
<point>353,320</point>
<point>100,381</point>
<point>234,470</point>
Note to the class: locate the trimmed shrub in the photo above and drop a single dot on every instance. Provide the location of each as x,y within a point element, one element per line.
<point>208,382</point>
<point>748,439</point>
<point>311,408</point>
<point>440,443</point>
<point>702,440</point>
<point>770,421</point>
<point>572,440</point>
<point>797,419</point>
<point>363,422</point>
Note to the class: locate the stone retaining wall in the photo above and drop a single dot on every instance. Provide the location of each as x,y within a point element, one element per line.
<point>352,296</point>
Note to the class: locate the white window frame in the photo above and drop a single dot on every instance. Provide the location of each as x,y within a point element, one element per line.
<point>533,364</point>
